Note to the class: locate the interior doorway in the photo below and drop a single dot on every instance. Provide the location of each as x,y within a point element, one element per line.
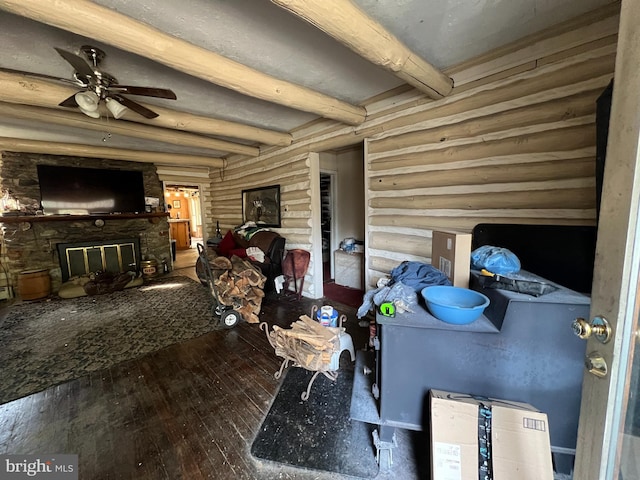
<point>342,224</point>
<point>183,203</point>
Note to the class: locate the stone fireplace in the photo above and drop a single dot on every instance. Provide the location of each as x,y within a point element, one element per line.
<point>97,243</point>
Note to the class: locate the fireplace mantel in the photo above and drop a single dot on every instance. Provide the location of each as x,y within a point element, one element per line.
<point>73,218</point>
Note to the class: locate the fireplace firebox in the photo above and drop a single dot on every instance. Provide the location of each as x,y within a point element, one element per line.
<point>115,256</point>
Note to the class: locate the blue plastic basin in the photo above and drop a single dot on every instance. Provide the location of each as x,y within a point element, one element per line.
<point>454,305</point>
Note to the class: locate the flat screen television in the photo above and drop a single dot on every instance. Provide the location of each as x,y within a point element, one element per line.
<point>89,191</point>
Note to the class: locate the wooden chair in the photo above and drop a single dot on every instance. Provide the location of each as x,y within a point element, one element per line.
<point>294,268</point>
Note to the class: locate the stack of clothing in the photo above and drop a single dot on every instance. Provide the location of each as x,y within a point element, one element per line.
<point>402,288</point>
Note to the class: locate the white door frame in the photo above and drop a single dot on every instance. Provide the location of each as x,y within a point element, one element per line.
<point>317,289</point>
<point>200,190</point>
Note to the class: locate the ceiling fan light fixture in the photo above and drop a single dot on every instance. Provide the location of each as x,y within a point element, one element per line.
<point>90,113</point>
<point>87,101</point>
<point>116,108</point>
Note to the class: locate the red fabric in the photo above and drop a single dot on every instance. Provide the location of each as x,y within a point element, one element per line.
<point>239,252</point>
<point>296,263</point>
<point>227,244</point>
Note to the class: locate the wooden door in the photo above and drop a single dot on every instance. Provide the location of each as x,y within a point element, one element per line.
<point>603,444</point>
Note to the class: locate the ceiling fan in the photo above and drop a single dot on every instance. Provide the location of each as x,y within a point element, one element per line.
<point>97,85</point>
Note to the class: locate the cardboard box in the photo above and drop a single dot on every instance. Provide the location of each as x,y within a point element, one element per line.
<point>517,444</point>
<point>451,253</point>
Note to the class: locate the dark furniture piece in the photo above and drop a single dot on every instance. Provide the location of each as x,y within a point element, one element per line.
<point>272,244</point>
<point>563,254</point>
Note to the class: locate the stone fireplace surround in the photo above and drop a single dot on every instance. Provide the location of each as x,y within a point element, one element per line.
<point>34,245</point>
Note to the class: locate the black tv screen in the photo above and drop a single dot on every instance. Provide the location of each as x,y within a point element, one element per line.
<point>88,191</point>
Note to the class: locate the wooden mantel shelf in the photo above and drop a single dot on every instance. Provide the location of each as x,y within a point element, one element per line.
<point>153,217</point>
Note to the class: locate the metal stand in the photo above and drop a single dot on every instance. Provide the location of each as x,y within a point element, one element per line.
<point>384,450</point>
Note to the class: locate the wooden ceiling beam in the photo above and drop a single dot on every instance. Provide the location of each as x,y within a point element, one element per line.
<point>108,26</point>
<point>15,88</point>
<point>350,25</point>
<point>129,129</point>
<point>79,150</point>
<point>177,120</point>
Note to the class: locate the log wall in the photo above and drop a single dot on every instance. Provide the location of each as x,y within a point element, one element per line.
<point>513,143</point>
<point>292,173</point>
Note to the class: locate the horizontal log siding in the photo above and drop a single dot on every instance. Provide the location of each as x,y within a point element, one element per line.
<point>291,172</point>
<point>517,150</point>
<point>515,144</point>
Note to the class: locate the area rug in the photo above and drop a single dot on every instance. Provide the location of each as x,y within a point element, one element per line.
<point>48,342</point>
<point>317,434</point>
<point>351,297</point>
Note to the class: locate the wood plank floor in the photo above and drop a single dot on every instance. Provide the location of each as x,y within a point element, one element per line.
<point>189,411</point>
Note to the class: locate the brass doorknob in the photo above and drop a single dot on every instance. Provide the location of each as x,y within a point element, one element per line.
<point>599,328</point>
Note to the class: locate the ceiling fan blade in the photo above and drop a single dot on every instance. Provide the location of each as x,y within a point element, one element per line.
<point>40,75</point>
<point>69,102</point>
<point>77,62</point>
<point>146,91</point>
<point>135,106</point>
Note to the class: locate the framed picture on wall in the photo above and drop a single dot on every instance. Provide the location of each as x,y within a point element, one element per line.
<point>176,204</point>
<point>262,206</point>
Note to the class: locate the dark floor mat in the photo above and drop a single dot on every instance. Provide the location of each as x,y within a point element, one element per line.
<point>346,295</point>
<point>317,434</point>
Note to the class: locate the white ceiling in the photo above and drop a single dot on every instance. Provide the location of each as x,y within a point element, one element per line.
<point>259,34</point>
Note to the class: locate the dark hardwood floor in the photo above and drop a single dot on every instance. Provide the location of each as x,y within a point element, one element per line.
<point>188,411</point>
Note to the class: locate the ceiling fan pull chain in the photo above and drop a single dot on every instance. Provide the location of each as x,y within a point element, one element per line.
<point>107,134</point>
